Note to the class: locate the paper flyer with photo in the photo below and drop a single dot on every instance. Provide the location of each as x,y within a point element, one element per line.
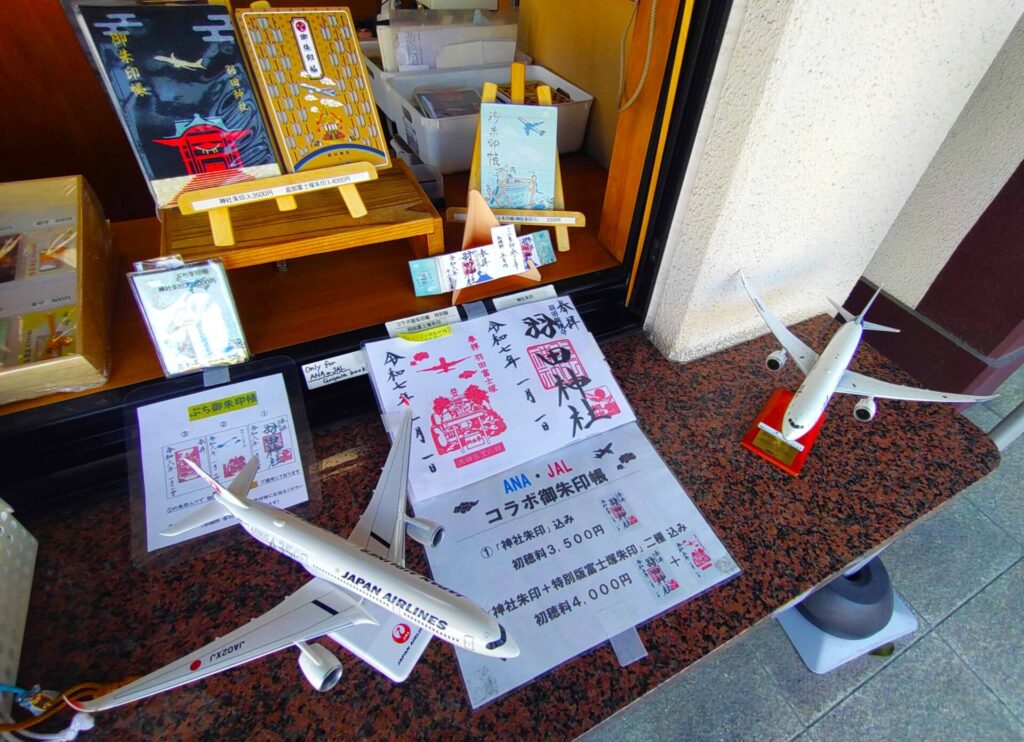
<point>571,549</point>
<point>219,429</point>
<point>493,392</point>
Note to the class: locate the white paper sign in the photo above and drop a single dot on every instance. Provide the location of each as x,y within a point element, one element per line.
<point>331,370</point>
<point>494,392</point>
<point>420,322</point>
<point>571,549</point>
<point>219,429</point>
<point>546,291</point>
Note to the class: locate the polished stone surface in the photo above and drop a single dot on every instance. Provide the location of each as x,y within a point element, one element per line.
<point>96,617</point>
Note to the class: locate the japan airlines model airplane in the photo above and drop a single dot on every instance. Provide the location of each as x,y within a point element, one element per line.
<point>181,64</point>
<point>367,566</point>
<point>828,374</point>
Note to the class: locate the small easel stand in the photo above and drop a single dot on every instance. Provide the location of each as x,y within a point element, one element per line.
<point>558,217</point>
<point>766,441</point>
<point>480,219</point>
<point>217,202</point>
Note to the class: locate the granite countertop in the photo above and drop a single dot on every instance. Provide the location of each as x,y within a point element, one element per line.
<point>95,617</point>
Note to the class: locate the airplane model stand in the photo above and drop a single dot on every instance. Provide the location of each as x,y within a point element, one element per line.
<point>479,222</point>
<point>769,443</point>
<point>558,217</point>
<point>217,202</point>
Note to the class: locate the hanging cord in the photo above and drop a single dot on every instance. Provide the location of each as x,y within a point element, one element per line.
<point>54,703</point>
<point>647,55</point>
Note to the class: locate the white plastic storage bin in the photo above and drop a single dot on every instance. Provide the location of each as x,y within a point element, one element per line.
<point>447,143</point>
<point>388,101</point>
<point>382,94</point>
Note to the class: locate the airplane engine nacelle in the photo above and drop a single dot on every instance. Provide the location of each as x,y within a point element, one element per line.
<point>865,409</point>
<point>321,668</point>
<point>423,531</point>
<point>775,360</point>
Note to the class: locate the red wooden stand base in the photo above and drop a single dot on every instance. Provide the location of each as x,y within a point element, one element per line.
<point>776,450</point>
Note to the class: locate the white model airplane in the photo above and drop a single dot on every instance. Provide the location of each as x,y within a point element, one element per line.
<point>367,566</point>
<point>181,64</point>
<point>828,374</point>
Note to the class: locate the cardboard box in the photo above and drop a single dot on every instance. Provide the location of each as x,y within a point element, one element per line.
<point>61,204</point>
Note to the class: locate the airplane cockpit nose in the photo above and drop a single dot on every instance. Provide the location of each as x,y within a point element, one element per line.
<point>511,649</point>
<point>504,647</point>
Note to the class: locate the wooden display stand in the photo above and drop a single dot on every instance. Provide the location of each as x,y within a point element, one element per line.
<point>558,217</point>
<point>479,222</point>
<point>217,202</point>
<point>278,224</point>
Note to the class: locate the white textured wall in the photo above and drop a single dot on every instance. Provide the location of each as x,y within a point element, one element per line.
<point>981,152</point>
<point>825,116</point>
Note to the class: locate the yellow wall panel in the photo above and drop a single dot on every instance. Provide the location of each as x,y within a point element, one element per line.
<point>579,41</point>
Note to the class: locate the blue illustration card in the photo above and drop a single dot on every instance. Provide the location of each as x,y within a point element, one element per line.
<point>176,78</point>
<point>518,147</point>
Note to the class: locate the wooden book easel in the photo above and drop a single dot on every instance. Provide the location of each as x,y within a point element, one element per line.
<point>557,217</point>
<point>479,222</point>
<point>218,201</point>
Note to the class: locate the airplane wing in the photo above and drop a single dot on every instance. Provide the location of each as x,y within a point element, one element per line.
<point>805,357</point>
<point>381,528</point>
<point>312,611</point>
<point>853,383</point>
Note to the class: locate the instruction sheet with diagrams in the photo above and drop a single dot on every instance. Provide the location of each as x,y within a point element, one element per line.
<point>219,429</point>
<point>575,532</point>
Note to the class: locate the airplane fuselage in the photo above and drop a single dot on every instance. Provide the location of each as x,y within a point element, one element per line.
<point>413,597</point>
<point>811,399</point>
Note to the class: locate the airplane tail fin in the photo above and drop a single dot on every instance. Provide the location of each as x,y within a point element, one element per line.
<point>859,319</point>
<point>242,482</point>
<point>235,493</point>
<point>846,315</point>
<point>880,328</point>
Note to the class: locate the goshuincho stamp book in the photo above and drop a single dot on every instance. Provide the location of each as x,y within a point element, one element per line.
<point>310,72</point>
<point>177,81</point>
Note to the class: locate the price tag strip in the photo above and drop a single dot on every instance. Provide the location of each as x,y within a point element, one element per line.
<point>215,202</point>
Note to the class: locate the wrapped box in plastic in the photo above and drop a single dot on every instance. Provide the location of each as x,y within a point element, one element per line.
<point>56,288</point>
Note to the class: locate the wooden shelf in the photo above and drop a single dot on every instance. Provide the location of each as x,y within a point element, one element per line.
<point>333,293</point>
<point>398,209</point>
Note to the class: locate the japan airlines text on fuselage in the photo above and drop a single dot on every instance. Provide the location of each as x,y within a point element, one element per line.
<point>442,612</point>
<point>810,400</point>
